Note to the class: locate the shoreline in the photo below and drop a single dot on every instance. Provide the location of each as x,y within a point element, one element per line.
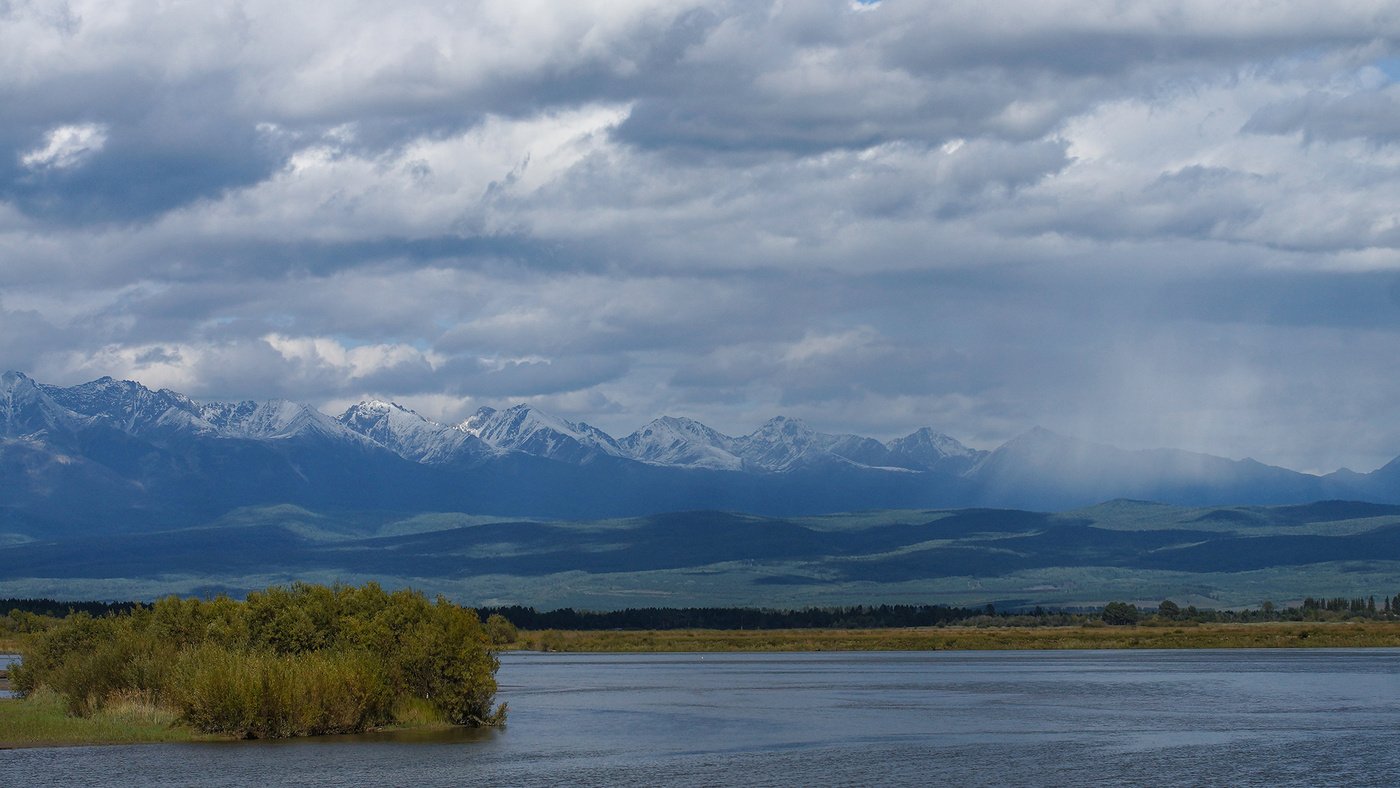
<point>42,722</point>
<point>1291,634</point>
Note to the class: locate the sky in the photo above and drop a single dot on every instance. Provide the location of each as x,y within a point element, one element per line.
<point>1144,224</point>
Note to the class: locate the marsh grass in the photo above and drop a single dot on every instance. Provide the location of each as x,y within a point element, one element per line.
<point>14,643</point>
<point>42,719</point>
<point>411,712</point>
<point>1259,635</point>
<point>261,695</point>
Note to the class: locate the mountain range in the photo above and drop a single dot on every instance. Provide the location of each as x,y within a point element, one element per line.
<point>117,453</point>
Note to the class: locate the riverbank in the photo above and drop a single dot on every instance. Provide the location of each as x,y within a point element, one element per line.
<point>43,721</point>
<point>1255,635</point>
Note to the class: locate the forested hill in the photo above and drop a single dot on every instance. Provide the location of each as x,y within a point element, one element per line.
<point>1131,550</point>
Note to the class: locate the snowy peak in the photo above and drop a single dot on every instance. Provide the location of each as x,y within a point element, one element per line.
<point>131,407</point>
<point>532,431</point>
<point>272,419</point>
<point>165,438</point>
<point>474,423</point>
<point>929,450</point>
<point>780,444</point>
<point>409,434</point>
<point>783,444</point>
<point>162,415</point>
<point>859,450</point>
<point>670,440</point>
<point>26,410</point>
<point>377,419</point>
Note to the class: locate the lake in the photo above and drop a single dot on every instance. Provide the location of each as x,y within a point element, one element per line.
<point>1238,717</point>
<point>6,660</point>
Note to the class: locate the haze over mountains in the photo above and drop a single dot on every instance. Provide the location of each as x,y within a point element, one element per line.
<point>135,458</point>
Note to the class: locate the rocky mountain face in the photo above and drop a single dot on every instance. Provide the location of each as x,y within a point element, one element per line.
<point>132,457</point>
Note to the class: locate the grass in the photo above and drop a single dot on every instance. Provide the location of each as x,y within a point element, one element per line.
<point>1269,635</point>
<point>14,643</point>
<point>41,720</point>
<point>416,714</point>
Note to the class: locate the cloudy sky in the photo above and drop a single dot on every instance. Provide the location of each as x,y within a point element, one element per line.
<point>1140,223</point>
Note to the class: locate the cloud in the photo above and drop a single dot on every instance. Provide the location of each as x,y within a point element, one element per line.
<point>1142,223</point>
<point>1372,115</point>
<point>66,147</point>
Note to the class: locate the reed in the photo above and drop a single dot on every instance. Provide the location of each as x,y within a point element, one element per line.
<point>264,695</point>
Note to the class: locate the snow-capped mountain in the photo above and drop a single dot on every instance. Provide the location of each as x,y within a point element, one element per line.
<point>27,411</point>
<point>532,431</point>
<point>86,453</point>
<point>273,419</point>
<point>780,444</point>
<point>682,442</point>
<point>474,423</point>
<point>162,415</point>
<point>131,407</point>
<point>409,434</point>
<point>784,444</point>
<point>929,450</point>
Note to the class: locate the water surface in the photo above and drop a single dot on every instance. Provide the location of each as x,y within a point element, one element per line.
<point>6,660</point>
<point>1238,717</point>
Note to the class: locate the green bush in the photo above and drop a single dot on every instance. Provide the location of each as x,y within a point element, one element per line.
<point>266,695</point>
<point>463,668</point>
<point>1120,614</point>
<point>500,630</point>
<point>291,661</point>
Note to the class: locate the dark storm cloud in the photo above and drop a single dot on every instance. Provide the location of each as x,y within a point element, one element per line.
<point>147,165</point>
<point>1356,300</point>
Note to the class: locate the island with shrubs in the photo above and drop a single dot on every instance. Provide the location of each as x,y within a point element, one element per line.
<point>308,660</point>
<point>289,661</point>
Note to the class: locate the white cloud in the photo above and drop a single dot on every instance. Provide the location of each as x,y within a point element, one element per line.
<point>66,147</point>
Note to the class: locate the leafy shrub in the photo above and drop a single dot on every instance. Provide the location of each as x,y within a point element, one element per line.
<point>1120,614</point>
<point>500,630</point>
<point>289,662</point>
<point>266,695</point>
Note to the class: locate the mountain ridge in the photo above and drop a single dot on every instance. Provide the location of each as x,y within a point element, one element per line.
<point>164,446</point>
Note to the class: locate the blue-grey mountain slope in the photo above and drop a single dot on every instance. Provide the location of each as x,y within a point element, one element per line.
<point>1043,470</point>
<point>1140,551</point>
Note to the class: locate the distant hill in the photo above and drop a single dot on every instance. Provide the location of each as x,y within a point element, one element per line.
<point>1127,550</point>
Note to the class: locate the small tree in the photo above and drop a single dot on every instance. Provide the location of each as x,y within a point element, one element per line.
<point>500,630</point>
<point>1169,610</point>
<point>1120,614</point>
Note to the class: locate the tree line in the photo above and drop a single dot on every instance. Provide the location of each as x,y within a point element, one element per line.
<point>499,623</point>
<point>661,618</point>
<point>1310,609</point>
